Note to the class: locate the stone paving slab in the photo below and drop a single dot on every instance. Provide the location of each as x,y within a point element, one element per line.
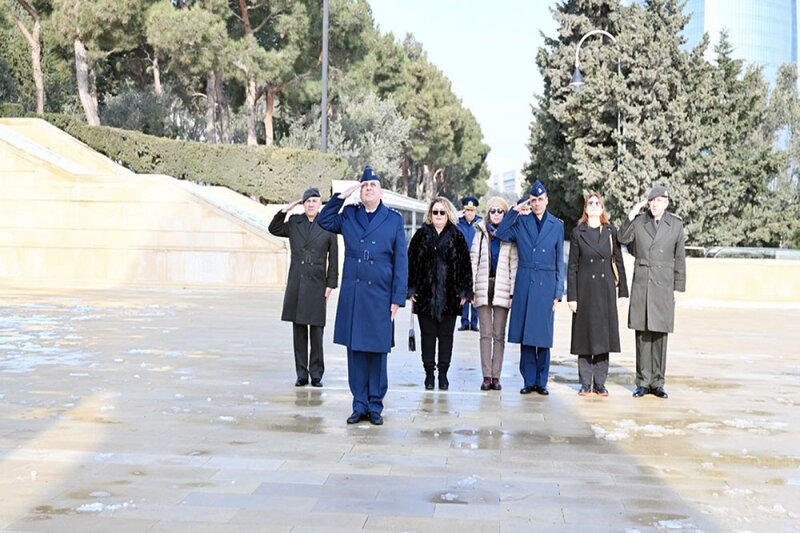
<point>168,410</point>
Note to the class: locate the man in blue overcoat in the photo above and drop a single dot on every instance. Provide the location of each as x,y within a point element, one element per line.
<point>374,285</point>
<point>466,225</point>
<point>538,287</point>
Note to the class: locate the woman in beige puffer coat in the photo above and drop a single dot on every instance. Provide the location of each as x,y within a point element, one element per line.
<point>494,267</point>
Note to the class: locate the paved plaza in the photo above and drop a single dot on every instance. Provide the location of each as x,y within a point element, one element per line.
<point>156,410</point>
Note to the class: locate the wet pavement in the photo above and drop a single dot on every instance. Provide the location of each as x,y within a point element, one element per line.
<point>137,410</point>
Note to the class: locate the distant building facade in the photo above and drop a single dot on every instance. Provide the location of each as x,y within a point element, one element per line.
<point>509,181</point>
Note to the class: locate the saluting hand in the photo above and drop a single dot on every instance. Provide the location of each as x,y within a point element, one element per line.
<point>347,192</point>
<point>292,205</point>
<point>395,307</point>
<point>636,209</point>
<point>518,208</point>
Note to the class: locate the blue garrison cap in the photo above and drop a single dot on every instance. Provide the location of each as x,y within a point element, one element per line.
<point>470,202</point>
<point>523,199</point>
<point>369,174</point>
<point>537,189</point>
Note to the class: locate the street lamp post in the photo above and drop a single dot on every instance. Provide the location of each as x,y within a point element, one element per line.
<point>577,82</point>
<point>324,105</point>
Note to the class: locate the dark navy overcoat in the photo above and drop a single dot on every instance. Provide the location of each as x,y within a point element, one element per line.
<point>540,276</point>
<point>375,273</point>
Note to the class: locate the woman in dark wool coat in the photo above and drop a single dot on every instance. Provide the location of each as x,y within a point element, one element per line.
<point>592,294</point>
<point>439,282</point>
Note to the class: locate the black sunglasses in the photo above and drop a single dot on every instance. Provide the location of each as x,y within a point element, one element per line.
<point>496,210</point>
<point>438,212</point>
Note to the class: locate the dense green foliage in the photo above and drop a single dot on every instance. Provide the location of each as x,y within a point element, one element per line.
<point>212,71</point>
<point>706,130</point>
<point>269,174</point>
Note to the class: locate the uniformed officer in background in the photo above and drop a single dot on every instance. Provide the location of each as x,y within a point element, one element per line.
<point>374,285</point>
<point>466,224</point>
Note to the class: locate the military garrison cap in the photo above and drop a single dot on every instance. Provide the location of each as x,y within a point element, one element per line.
<point>470,202</point>
<point>369,174</point>
<point>658,190</point>
<point>538,189</point>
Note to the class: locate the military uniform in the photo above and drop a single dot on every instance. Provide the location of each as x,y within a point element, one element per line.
<point>375,276</point>
<point>469,315</point>
<point>659,269</point>
<point>539,281</point>
<point>314,267</point>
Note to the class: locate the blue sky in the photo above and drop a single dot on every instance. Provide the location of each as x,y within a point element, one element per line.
<point>488,51</point>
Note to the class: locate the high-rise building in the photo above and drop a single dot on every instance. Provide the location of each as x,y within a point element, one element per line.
<point>763,32</point>
<point>509,181</point>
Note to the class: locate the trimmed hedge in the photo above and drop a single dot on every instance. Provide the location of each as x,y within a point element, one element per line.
<point>270,174</point>
<point>11,110</point>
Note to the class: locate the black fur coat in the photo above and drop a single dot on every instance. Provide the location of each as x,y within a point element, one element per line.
<point>439,271</point>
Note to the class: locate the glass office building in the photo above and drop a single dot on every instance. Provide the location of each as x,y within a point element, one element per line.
<point>763,32</point>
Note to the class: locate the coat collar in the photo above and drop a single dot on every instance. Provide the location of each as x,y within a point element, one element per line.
<point>380,215</point>
<point>548,225</point>
<point>603,251</point>
<point>308,231</point>
<point>650,225</point>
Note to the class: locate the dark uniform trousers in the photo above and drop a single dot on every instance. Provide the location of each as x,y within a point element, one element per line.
<point>534,365</point>
<point>651,358</point>
<point>306,363</point>
<point>469,316</point>
<point>366,373</point>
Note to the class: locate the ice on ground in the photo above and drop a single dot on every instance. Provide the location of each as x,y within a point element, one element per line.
<point>626,428</point>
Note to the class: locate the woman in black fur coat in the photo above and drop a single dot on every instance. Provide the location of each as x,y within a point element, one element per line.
<point>439,282</point>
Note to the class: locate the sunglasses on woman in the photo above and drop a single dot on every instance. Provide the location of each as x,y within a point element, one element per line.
<point>438,212</point>
<point>495,210</point>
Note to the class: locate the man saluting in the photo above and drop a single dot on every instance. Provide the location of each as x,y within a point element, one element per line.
<point>374,285</point>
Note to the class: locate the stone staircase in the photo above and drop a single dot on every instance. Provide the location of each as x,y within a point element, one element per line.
<point>72,217</point>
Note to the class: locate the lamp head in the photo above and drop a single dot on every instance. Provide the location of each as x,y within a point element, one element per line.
<point>577,82</point>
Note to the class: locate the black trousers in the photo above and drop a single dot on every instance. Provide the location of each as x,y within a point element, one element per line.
<point>651,358</point>
<point>305,364</point>
<point>593,368</point>
<point>432,330</point>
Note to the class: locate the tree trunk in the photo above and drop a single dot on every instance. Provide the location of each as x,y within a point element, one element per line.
<point>250,109</point>
<point>405,174</point>
<point>84,91</point>
<point>93,86</point>
<point>268,131</point>
<point>34,42</point>
<point>156,74</point>
<point>211,105</point>
<point>224,110</point>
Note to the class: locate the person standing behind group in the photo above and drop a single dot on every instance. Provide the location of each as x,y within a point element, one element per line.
<point>374,286</point>
<point>594,253</point>
<point>466,224</point>
<point>313,274</point>
<point>656,240</point>
<point>494,268</point>
<point>439,282</point>
<point>538,287</point>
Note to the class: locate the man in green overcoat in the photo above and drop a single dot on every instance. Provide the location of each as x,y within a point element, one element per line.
<point>656,239</point>
<point>313,274</point>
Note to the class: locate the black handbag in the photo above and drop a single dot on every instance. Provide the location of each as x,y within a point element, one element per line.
<point>412,341</point>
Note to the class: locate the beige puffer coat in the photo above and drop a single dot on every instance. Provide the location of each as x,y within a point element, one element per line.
<point>506,271</point>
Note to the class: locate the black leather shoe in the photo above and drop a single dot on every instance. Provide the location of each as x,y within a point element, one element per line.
<point>301,382</point>
<point>356,417</point>
<point>316,383</point>
<point>543,391</point>
<point>375,419</point>
<point>527,390</point>
<point>660,392</point>
<point>639,392</point>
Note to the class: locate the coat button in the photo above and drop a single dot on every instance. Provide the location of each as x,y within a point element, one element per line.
<point>542,250</point>
<point>371,262</point>
<point>359,260</point>
<point>373,242</point>
<point>534,249</point>
<point>661,251</point>
<point>302,262</point>
<point>369,282</point>
<point>591,260</point>
<point>541,283</point>
<point>592,276</point>
<point>602,275</point>
<point>358,279</point>
<point>602,260</point>
<point>362,240</point>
